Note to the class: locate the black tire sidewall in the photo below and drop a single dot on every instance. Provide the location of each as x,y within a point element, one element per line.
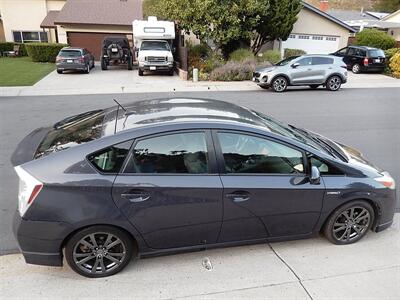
<point>359,68</point>
<point>124,237</point>
<point>328,229</point>
<point>275,79</point>
<point>328,85</point>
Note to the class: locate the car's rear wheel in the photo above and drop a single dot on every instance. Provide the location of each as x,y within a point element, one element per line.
<point>103,64</point>
<point>130,62</point>
<point>59,71</point>
<point>87,71</point>
<point>314,86</point>
<point>279,84</point>
<point>334,83</point>
<point>99,251</point>
<point>356,69</point>
<point>349,223</point>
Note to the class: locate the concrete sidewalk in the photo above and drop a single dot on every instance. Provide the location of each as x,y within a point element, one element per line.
<point>122,81</point>
<point>306,269</point>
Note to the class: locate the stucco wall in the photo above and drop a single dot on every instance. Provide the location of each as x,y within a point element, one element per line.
<point>311,23</point>
<point>394,18</point>
<point>2,37</point>
<point>25,15</point>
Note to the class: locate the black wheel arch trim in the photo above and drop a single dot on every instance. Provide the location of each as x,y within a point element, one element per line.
<point>281,75</point>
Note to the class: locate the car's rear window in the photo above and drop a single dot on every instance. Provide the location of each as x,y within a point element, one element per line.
<point>70,53</point>
<point>376,53</point>
<point>72,131</point>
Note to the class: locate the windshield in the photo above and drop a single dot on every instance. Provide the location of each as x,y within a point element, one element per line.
<point>286,61</point>
<point>290,132</point>
<point>70,53</point>
<point>376,53</point>
<point>72,131</point>
<point>154,45</point>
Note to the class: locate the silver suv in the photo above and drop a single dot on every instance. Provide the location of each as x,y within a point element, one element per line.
<point>312,70</point>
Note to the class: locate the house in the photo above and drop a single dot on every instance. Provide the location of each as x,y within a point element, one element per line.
<point>80,23</point>
<point>316,31</point>
<point>395,32</point>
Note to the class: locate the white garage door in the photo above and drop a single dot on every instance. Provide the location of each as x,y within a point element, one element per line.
<point>312,44</point>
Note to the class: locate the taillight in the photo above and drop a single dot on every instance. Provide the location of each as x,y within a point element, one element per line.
<point>386,180</point>
<point>29,188</point>
<point>58,58</point>
<point>366,61</point>
<point>81,59</point>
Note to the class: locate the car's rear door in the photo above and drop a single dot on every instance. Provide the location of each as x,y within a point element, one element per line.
<point>304,73</point>
<point>170,189</point>
<point>321,66</point>
<point>267,192</point>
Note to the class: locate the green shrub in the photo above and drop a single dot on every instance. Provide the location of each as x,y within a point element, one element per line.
<point>374,38</point>
<point>390,52</point>
<point>197,55</point>
<point>43,52</point>
<point>272,56</point>
<point>6,46</point>
<point>241,55</point>
<point>234,71</point>
<point>22,49</point>
<point>213,61</point>
<point>293,52</point>
<point>395,65</point>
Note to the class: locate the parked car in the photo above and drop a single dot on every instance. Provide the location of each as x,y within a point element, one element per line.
<point>169,175</point>
<point>311,70</point>
<point>74,59</point>
<point>116,50</point>
<point>362,59</point>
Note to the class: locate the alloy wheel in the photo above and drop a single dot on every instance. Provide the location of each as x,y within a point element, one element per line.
<point>356,69</point>
<point>351,224</point>
<point>280,84</point>
<point>334,83</point>
<point>99,253</point>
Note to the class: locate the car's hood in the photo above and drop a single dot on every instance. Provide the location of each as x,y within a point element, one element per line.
<point>155,53</point>
<point>266,69</point>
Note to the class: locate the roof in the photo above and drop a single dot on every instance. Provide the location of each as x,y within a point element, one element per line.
<point>163,111</point>
<point>349,15</point>
<point>100,12</point>
<point>328,16</point>
<point>48,21</point>
<point>391,15</point>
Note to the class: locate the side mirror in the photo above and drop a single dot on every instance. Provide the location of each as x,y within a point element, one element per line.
<point>315,177</point>
<point>173,49</point>
<point>295,65</point>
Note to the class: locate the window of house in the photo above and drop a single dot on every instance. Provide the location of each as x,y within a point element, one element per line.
<point>330,38</point>
<point>184,153</point>
<point>30,36</point>
<point>317,38</point>
<point>304,37</point>
<point>248,154</point>
<point>110,160</point>
<point>292,36</point>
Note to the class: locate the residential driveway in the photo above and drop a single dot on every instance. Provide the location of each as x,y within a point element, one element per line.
<point>304,269</point>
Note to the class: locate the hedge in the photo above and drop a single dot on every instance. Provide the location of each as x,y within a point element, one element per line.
<point>9,46</point>
<point>395,65</point>
<point>374,38</point>
<point>44,52</point>
<point>293,52</point>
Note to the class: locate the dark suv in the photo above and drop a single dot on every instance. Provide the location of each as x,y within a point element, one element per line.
<point>116,50</point>
<point>362,58</point>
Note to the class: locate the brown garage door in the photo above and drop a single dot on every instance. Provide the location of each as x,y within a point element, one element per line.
<point>90,40</point>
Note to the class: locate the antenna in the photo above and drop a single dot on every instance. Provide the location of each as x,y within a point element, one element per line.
<point>116,117</point>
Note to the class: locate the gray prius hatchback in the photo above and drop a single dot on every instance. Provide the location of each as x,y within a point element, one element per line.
<point>169,175</point>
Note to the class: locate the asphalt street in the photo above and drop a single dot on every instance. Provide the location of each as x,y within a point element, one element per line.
<point>367,119</point>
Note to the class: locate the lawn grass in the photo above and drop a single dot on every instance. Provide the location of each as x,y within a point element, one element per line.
<point>21,71</point>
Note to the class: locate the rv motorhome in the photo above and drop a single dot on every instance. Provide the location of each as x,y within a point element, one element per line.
<point>153,45</point>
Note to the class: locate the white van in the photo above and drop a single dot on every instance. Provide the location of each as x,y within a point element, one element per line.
<point>153,45</point>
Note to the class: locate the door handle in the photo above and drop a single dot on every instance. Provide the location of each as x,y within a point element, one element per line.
<point>309,69</point>
<point>136,197</point>
<point>239,196</point>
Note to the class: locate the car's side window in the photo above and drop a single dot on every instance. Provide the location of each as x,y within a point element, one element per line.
<point>254,155</point>
<point>307,61</point>
<point>183,153</point>
<point>324,167</point>
<point>322,61</point>
<point>343,51</point>
<point>352,51</point>
<point>111,159</point>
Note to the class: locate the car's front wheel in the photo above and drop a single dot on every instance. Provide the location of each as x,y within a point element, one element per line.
<point>59,71</point>
<point>140,72</point>
<point>279,84</point>
<point>334,83</point>
<point>349,223</point>
<point>99,251</point>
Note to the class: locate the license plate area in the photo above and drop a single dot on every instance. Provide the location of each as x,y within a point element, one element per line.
<point>377,60</point>
<point>70,61</point>
<point>153,68</point>
<point>114,50</point>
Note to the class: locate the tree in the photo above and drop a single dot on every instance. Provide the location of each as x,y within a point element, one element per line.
<point>388,6</point>
<point>277,23</point>
<point>231,24</point>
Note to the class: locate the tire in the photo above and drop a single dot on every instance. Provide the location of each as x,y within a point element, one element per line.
<point>340,230</point>
<point>140,72</point>
<point>87,71</point>
<point>171,72</point>
<point>97,259</point>
<point>93,64</point>
<point>279,84</point>
<point>130,63</point>
<point>333,83</point>
<point>314,86</point>
<point>59,71</point>
<point>103,64</point>
<point>356,68</point>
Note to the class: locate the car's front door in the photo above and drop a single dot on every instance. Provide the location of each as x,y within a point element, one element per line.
<point>267,192</point>
<point>303,73</point>
<point>170,190</point>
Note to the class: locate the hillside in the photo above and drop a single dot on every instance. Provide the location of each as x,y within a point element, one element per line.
<point>347,4</point>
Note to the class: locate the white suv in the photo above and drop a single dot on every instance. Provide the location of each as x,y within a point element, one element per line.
<point>312,70</point>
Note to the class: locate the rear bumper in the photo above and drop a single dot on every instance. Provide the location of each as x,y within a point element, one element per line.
<point>373,68</point>
<point>39,241</point>
<point>73,66</point>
